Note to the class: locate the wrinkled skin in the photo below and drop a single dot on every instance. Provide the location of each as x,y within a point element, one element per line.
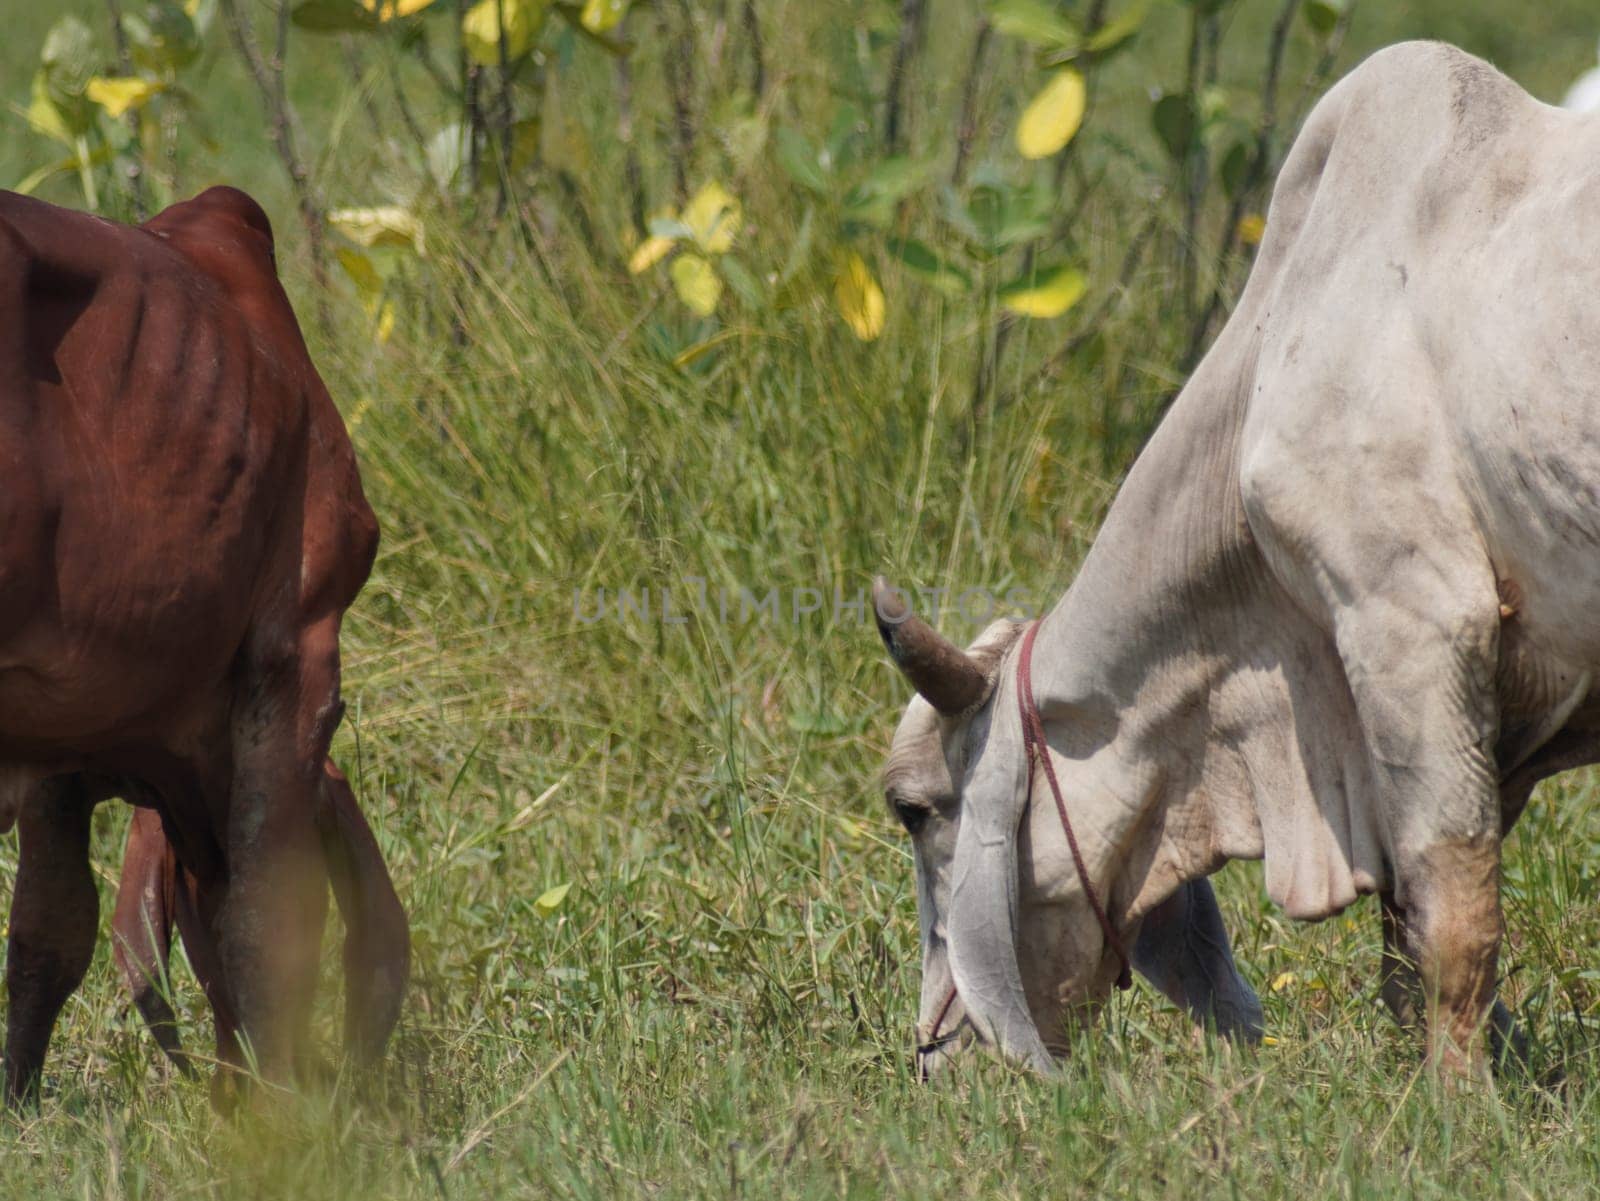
<point>156,893</point>
<point>1344,613</point>
<point>181,529</point>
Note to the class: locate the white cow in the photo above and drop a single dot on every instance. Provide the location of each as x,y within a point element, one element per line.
<point>1345,611</point>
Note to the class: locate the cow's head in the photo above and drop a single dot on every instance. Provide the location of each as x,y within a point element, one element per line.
<point>1006,953</point>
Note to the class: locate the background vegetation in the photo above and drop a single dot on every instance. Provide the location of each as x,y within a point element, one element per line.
<point>770,296</point>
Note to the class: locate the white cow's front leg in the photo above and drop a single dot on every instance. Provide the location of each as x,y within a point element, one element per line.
<point>1422,677</point>
<point>1364,521</point>
<point>1453,922</point>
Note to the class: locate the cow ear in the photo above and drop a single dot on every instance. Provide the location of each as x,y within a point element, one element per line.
<point>945,675</point>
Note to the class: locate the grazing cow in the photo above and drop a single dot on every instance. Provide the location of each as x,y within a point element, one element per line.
<point>1344,612</point>
<point>156,893</point>
<point>181,529</point>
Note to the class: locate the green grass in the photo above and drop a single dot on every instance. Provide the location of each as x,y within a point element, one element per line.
<point>721,1004</point>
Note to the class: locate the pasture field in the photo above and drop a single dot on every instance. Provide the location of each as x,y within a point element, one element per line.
<point>664,928</point>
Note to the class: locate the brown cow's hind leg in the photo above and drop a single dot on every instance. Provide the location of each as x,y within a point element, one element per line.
<point>54,916</point>
<point>141,929</point>
<point>377,945</point>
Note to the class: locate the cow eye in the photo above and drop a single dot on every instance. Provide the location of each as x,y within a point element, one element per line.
<point>912,815</point>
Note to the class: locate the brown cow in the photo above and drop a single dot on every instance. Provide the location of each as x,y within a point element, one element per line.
<point>156,892</point>
<point>181,529</point>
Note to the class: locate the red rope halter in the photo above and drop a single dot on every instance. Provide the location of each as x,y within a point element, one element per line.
<point>1037,750</point>
<point>1035,747</point>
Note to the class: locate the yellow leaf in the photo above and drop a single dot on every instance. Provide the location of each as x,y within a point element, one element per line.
<point>601,16</point>
<point>361,271</point>
<point>1252,228</point>
<point>650,252</point>
<point>550,900</point>
<point>44,116</point>
<point>713,215</point>
<point>858,296</point>
<point>697,283</point>
<point>480,29</point>
<point>385,325</point>
<point>1268,1041</point>
<point>118,94</point>
<point>388,10</point>
<point>1053,116</point>
<point>1047,293</point>
<point>384,225</point>
<point>1282,981</point>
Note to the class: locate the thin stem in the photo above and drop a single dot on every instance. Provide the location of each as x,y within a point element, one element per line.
<point>967,127</point>
<point>132,120</point>
<point>911,18</point>
<point>758,62</point>
<point>268,77</point>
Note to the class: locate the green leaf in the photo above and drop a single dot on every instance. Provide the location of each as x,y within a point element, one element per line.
<point>66,64</point>
<point>799,159</point>
<point>1323,15</point>
<point>1052,116</point>
<point>550,899</point>
<point>998,215</point>
<point>333,16</point>
<point>68,56</point>
<point>923,262</point>
<point>874,200</point>
<point>1174,119</point>
<point>691,355</point>
<point>742,281</point>
<point>1114,35</point>
<point>1046,292</point>
<point>696,283</point>
<point>1034,21</point>
<point>163,40</point>
<point>572,14</point>
<point>28,183</point>
<point>1235,169</point>
<point>897,177</point>
<point>847,140</point>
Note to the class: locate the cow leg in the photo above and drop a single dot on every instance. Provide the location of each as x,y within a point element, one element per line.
<point>141,929</point>
<point>1420,662</point>
<point>1183,950</point>
<point>54,916</point>
<point>1401,990</point>
<point>377,945</point>
<point>1452,920</point>
<point>270,925</point>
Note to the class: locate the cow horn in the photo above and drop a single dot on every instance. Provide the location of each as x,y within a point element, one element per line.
<point>940,670</point>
